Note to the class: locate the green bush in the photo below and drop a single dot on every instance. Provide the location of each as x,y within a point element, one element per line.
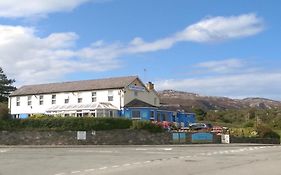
<point>147,125</point>
<point>249,124</point>
<point>4,111</point>
<point>265,131</point>
<point>65,124</point>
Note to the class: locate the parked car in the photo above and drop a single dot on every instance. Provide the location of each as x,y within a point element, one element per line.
<point>199,126</point>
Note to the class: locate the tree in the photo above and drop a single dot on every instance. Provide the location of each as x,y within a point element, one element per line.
<point>4,111</point>
<point>5,86</point>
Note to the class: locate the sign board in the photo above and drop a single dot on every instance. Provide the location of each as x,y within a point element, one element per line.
<point>136,88</point>
<point>81,135</point>
<point>225,138</point>
<point>202,137</point>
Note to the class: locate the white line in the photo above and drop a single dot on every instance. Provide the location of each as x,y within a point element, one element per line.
<point>3,151</point>
<point>141,149</point>
<point>165,149</point>
<point>103,168</point>
<point>147,161</point>
<point>136,163</point>
<point>89,170</point>
<point>74,172</point>
<point>115,166</point>
<point>60,174</point>
<point>127,164</point>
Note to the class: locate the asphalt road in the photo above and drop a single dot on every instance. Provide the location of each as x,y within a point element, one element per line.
<point>142,160</point>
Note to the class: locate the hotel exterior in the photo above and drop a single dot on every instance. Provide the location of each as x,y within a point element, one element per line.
<point>126,97</point>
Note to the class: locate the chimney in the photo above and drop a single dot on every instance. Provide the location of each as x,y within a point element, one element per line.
<point>150,86</point>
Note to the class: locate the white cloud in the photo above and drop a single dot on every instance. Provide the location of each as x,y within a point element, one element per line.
<point>259,84</point>
<point>222,28</point>
<point>208,30</point>
<point>31,8</point>
<point>222,66</point>
<point>30,58</point>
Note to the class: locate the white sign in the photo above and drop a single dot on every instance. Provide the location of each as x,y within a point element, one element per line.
<point>81,135</point>
<point>136,88</point>
<point>225,138</point>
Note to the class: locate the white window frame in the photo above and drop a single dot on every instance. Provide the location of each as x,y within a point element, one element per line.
<point>54,96</point>
<point>110,96</point>
<point>94,96</point>
<point>29,100</point>
<point>17,101</point>
<point>41,100</point>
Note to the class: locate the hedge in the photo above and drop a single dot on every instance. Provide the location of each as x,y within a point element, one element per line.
<point>63,124</point>
<point>147,125</point>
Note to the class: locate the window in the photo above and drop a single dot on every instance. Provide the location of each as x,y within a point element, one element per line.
<point>164,116</point>
<point>136,115</point>
<point>110,113</point>
<point>66,101</point>
<point>110,95</point>
<point>158,116</point>
<point>41,100</point>
<point>80,100</point>
<point>151,115</point>
<point>18,101</point>
<point>29,102</point>
<point>54,99</point>
<point>94,96</point>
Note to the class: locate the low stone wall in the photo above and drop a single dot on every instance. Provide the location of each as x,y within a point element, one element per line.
<point>254,140</point>
<point>112,137</point>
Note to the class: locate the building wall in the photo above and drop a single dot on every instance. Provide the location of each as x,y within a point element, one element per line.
<point>147,96</point>
<point>35,107</point>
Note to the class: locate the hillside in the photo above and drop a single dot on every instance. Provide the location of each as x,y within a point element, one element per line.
<point>187,101</point>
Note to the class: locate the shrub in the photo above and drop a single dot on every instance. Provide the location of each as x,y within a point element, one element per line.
<point>4,111</point>
<point>147,125</point>
<point>66,124</point>
<point>266,132</point>
<point>249,124</point>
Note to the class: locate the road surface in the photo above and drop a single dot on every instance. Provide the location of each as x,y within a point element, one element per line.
<point>142,160</point>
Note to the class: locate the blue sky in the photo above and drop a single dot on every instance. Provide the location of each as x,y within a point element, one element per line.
<point>216,48</point>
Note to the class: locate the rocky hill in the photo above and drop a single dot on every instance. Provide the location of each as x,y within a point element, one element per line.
<point>187,101</point>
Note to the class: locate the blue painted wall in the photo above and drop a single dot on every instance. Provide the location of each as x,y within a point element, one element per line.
<point>160,115</point>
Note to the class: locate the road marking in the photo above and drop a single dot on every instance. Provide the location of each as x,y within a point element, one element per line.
<point>127,164</point>
<point>103,168</point>
<point>75,172</point>
<point>136,163</point>
<point>89,170</point>
<point>147,161</point>
<point>115,166</point>
<point>4,151</point>
<point>141,149</point>
<point>60,174</point>
<point>165,149</point>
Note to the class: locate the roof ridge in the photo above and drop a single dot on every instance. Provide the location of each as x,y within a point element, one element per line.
<point>81,85</point>
<point>62,82</point>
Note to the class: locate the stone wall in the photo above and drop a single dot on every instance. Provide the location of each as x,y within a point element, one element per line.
<point>254,140</point>
<point>112,137</point>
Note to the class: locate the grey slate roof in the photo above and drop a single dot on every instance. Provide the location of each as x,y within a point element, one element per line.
<point>74,86</point>
<point>138,103</point>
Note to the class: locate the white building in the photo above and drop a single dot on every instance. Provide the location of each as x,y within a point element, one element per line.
<point>102,97</point>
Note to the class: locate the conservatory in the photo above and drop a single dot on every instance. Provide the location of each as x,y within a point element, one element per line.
<point>99,109</point>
